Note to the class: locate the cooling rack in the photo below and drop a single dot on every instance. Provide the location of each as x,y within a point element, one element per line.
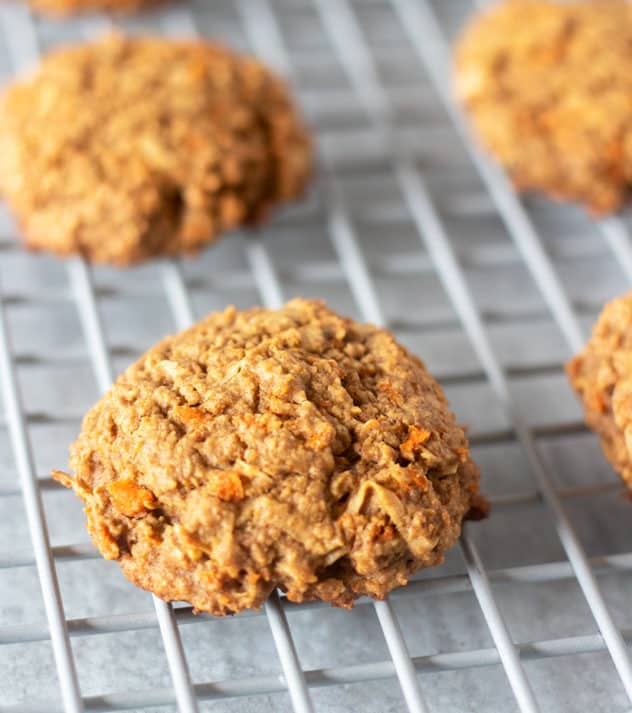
<point>408,226</point>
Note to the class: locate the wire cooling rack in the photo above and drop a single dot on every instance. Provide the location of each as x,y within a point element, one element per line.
<point>409,226</point>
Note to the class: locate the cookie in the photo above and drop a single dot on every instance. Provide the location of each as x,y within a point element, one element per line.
<point>602,377</point>
<point>127,148</point>
<point>548,88</point>
<point>261,449</point>
<point>68,7</point>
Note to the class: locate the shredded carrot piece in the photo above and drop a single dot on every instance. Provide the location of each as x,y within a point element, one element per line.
<point>416,438</point>
<point>191,415</point>
<point>227,485</point>
<point>131,499</point>
<point>387,388</point>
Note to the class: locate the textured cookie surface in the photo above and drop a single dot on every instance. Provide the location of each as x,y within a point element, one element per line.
<point>602,377</point>
<point>549,90</point>
<point>264,449</point>
<point>128,148</point>
<point>67,7</point>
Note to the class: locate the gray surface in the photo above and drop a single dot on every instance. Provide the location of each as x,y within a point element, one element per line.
<point>44,321</point>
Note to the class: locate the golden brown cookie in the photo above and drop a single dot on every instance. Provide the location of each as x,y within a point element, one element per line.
<point>548,87</point>
<point>602,377</point>
<point>68,7</point>
<point>127,148</point>
<point>261,449</point>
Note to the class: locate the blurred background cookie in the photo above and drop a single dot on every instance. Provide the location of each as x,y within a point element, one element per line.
<point>548,88</point>
<point>127,148</point>
<point>68,7</point>
<point>262,449</point>
<point>602,377</point>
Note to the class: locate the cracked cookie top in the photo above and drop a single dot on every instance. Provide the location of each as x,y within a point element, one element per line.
<point>548,88</point>
<point>132,147</point>
<point>261,449</point>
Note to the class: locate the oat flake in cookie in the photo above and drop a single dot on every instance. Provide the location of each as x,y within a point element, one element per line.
<point>261,449</point>
<point>128,148</point>
<point>68,7</point>
<point>602,377</point>
<point>548,86</point>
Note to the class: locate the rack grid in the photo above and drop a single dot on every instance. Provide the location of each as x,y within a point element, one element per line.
<point>409,226</point>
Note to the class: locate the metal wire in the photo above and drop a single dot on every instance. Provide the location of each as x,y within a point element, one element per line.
<point>549,572</point>
<point>68,681</point>
<point>95,338</point>
<point>347,39</point>
<point>261,23</point>
<point>418,17</point>
<point>454,282</point>
<point>181,21</point>
<point>327,677</point>
<point>618,240</point>
<point>24,49</point>
<point>57,627</point>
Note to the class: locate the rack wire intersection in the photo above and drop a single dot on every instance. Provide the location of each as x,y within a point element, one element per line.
<point>410,226</point>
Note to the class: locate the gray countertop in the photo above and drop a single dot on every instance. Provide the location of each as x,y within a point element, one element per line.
<point>442,620</point>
